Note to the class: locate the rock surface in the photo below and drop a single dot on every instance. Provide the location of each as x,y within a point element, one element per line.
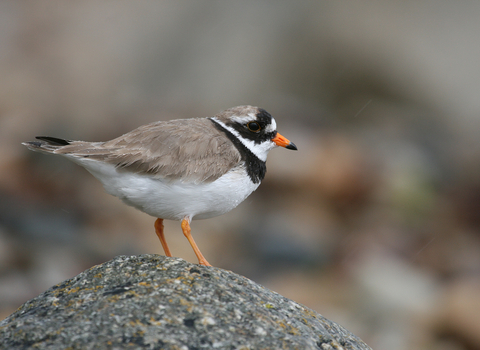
<point>154,302</point>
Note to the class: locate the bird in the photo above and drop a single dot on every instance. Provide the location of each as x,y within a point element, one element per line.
<point>180,169</point>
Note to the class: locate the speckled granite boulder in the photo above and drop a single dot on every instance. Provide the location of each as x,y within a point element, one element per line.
<point>154,302</point>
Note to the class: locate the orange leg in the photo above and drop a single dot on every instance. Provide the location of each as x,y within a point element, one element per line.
<point>161,236</point>
<point>186,231</point>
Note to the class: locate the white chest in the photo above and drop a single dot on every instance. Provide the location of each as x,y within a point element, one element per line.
<point>176,200</point>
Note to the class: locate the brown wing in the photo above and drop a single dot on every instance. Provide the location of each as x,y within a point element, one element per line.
<point>191,149</point>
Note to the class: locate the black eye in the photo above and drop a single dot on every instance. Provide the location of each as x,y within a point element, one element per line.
<point>253,126</point>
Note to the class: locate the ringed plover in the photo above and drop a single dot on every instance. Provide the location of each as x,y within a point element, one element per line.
<point>181,169</point>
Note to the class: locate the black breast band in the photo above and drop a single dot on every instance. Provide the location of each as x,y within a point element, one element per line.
<point>256,168</point>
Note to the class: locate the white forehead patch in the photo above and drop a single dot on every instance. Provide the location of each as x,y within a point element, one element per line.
<point>271,127</point>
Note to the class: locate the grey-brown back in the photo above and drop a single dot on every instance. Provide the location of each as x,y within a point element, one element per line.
<point>190,149</point>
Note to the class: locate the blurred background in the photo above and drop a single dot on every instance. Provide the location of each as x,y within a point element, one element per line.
<point>374,222</point>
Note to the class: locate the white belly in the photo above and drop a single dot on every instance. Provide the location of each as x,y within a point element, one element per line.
<point>174,200</point>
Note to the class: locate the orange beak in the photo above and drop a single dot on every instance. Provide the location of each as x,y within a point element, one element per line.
<point>284,142</point>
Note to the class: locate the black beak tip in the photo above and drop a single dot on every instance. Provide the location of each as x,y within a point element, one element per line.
<point>292,146</point>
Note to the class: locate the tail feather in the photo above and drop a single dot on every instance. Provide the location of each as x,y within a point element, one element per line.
<point>46,144</point>
<point>53,140</point>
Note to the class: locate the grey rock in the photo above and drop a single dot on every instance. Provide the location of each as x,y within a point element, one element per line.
<point>154,302</point>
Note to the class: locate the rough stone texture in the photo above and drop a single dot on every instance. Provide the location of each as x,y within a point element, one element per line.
<point>154,302</point>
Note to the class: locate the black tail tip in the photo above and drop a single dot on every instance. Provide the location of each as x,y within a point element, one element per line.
<point>53,140</point>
